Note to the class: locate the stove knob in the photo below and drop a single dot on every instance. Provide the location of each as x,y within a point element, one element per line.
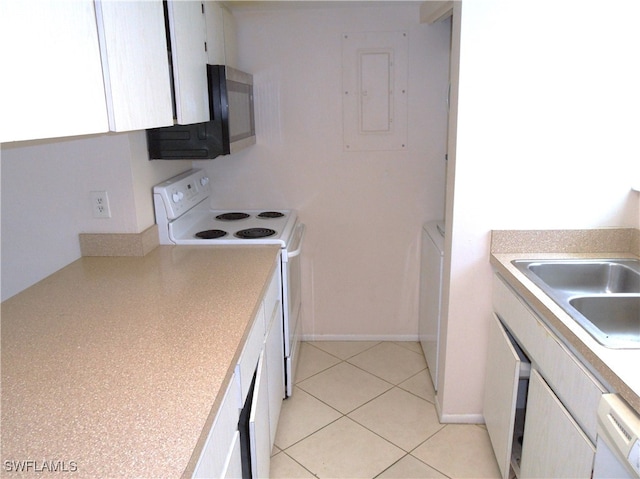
<point>204,180</point>
<point>177,196</point>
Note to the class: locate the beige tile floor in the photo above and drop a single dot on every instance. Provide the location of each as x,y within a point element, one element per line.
<point>365,410</point>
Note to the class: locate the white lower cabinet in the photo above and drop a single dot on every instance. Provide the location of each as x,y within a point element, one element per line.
<point>233,466</point>
<point>246,367</point>
<point>246,422</point>
<point>269,385</point>
<point>217,455</point>
<point>274,349</point>
<point>502,385</point>
<point>542,425</point>
<point>554,445</point>
<point>259,432</point>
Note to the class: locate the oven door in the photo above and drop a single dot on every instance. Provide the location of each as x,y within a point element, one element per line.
<point>292,302</point>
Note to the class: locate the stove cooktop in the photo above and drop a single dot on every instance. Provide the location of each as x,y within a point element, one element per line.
<point>184,216</point>
<point>233,227</point>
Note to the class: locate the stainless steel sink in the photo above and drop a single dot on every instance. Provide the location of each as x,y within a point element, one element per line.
<point>592,277</point>
<point>616,316</point>
<point>602,296</point>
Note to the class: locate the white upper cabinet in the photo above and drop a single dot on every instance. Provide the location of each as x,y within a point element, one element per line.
<point>51,83</point>
<point>133,45</point>
<point>215,32</point>
<point>188,39</point>
<point>83,67</point>
<point>230,42</point>
<point>221,35</point>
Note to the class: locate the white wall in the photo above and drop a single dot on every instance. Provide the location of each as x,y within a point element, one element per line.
<point>363,211</point>
<point>547,137</point>
<point>46,199</point>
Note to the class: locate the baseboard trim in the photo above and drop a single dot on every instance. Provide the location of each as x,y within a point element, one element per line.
<point>359,337</point>
<point>459,418</point>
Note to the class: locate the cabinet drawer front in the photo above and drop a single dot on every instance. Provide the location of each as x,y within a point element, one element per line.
<point>250,353</point>
<point>519,319</point>
<point>570,456</point>
<point>575,386</point>
<point>219,444</point>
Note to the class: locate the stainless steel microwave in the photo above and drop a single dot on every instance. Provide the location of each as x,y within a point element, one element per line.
<point>231,128</point>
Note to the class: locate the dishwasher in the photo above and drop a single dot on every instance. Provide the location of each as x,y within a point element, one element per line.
<point>618,440</point>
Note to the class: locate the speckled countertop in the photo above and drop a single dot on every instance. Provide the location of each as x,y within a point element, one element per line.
<point>114,367</point>
<point>617,368</point>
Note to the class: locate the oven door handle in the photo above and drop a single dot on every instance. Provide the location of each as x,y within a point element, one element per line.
<point>292,254</point>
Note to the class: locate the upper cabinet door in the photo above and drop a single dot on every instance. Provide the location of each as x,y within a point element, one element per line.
<point>221,35</point>
<point>230,38</point>
<point>135,64</point>
<point>189,58</point>
<point>213,12</point>
<point>51,83</point>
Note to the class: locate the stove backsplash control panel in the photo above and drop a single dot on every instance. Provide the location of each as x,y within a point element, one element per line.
<point>181,193</point>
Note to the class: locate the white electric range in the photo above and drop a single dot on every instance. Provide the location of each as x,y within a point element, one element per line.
<point>184,217</point>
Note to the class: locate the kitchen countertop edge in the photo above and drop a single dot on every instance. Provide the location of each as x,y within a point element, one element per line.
<point>197,451</point>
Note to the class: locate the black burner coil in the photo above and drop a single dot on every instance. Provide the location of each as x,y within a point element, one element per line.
<point>255,233</point>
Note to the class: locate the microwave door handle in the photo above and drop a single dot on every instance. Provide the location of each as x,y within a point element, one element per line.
<point>296,252</point>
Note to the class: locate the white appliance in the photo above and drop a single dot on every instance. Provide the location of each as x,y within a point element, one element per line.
<point>430,294</point>
<point>184,217</point>
<point>618,441</point>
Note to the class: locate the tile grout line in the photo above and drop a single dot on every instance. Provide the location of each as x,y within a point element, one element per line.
<point>346,360</point>
<point>346,415</point>
<point>300,464</point>
<point>337,357</point>
<point>417,459</point>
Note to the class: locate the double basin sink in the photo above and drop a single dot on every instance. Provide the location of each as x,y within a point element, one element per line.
<point>601,295</point>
